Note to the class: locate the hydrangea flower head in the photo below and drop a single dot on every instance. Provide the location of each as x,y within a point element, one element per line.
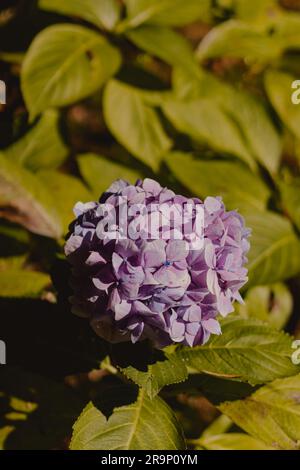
<point>145,267</point>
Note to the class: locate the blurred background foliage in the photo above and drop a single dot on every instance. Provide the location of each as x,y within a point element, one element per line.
<point>193,93</point>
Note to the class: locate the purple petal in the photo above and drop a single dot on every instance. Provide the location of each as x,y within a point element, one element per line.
<point>210,255</point>
<point>224,305</point>
<point>213,326</point>
<point>213,282</point>
<point>177,331</point>
<point>176,250</point>
<point>122,310</point>
<point>212,205</point>
<point>154,253</point>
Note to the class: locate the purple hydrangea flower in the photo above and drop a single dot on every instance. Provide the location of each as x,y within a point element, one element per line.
<point>159,276</point>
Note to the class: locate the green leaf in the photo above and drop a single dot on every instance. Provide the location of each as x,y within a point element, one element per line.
<point>21,283</point>
<point>169,371</point>
<point>68,190</point>
<point>235,38</point>
<point>247,350</point>
<point>286,29</point>
<point>271,304</point>
<point>258,12</point>
<point>12,57</point>
<point>36,413</point>
<point>279,88</point>
<point>249,113</point>
<point>99,172</point>
<point>239,188</point>
<point>144,425</point>
<point>14,246</point>
<point>12,262</point>
<point>25,200</point>
<point>42,146</point>
<point>57,55</point>
<point>215,389</point>
<point>231,441</point>
<point>263,35</point>
<point>102,13</point>
<point>5,431</point>
<point>290,197</point>
<point>271,414</point>
<point>205,122</point>
<point>134,123</point>
<point>166,12</point>
<point>220,425</point>
<point>275,249</point>
<point>165,44</point>
<point>258,129</point>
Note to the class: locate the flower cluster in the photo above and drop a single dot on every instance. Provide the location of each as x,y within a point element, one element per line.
<point>169,287</point>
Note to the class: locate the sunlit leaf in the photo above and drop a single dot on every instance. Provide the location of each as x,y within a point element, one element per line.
<point>286,28</point>
<point>220,425</point>
<point>235,38</point>
<point>209,124</point>
<point>99,172</point>
<point>255,123</point>
<point>272,304</point>
<point>166,12</point>
<point>290,196</point>
<point>144,425</point>
<point>279,88</point>
<point>271,414</point>
<point>165,44</point>
<point>67,190</point>
<point>57,56</point>
<point>239,188</point>
<point>247,350</point>
<point>231,441</point>
<point>275,249</point>
<point>21,283</point>
<point>258,12</point>
<point>134,123</point>
<point>158,375</point>
<point>102,13</point>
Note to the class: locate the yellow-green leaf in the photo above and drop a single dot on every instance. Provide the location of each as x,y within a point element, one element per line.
<point>57,56</point>
<point>25,200</point>
<point>275,248</point>
<point>67,191</point>
<point>239,188</point>
<point>247,350</point>
<point>271,414</point>
<point>143,425</point>
<point>134,123</point>
<point>101,13</point>
<point>99,172</point>
<point>41,147</point>
<point>21,283</point>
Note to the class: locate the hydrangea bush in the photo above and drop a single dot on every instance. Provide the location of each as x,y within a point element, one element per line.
<point>168,289</point>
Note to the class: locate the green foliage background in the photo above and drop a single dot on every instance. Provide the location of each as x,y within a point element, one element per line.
<point>196,94</point>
